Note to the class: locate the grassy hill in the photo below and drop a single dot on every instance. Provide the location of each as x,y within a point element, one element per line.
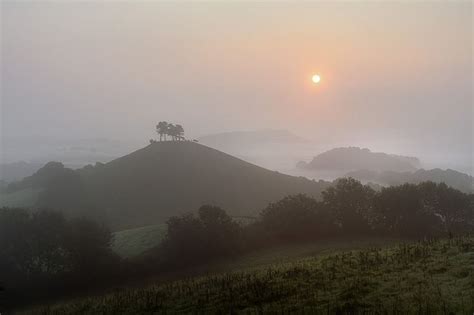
<point>20,198</point>
<point>170,178</point>
<point>163,179</point>
<point>429,277</point>
<point>354,158</point>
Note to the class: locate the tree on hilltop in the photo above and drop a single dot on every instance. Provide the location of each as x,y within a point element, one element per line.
<point>176,132</point>
<point>162,129</point>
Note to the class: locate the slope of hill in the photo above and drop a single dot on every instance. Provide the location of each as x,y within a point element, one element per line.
<point>164,179</point>
<point>24,198</point>
<point>457,180</point>
<point>430,277</point>
<point>170,178</point>
<point>354,158</point>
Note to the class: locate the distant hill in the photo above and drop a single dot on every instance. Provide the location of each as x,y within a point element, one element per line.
<point>164,179</point>
<point>457,180</point>
<point>354,158</point>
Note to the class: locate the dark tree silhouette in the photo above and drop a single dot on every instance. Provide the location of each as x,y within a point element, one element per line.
<point>179,132</point>
<point>43,245</point>
<point>401,210</point>
<point>162,129</point>
<point>296,218</point>
<point>176,132</point>
<point>351,204</point>
<point>192,239</point>
<point>172,131</point>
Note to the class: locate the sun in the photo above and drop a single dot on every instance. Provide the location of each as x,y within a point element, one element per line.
<point>316,78</point>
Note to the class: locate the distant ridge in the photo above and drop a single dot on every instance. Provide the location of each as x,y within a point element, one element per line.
<point>354,158</point>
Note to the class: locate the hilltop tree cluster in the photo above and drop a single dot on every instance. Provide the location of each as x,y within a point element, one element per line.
<point>175,132</point>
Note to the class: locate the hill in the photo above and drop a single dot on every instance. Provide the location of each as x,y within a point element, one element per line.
<point>429,277</point>
<point>164,179</point>
<point>354,158</point>
<point>457,180</point>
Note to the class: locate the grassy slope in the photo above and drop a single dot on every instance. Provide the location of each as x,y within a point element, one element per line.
<point>132,242</point>
<point>22,198</point>
<point>169,178</point>
<point>425,277</point>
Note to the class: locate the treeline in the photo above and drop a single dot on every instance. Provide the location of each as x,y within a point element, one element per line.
<point>347,209</point>
<point>45,255</point>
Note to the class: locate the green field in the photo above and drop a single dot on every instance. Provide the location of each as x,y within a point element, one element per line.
<point>424,277</point>
<point>132,242</point>
<point>22,198</point>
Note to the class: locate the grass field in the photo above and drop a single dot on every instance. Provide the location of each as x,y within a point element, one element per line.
<point>132,242</point>
<point>22,198</point>
<point>427,277</point>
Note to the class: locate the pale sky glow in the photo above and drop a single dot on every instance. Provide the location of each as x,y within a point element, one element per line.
<point>394,76</point>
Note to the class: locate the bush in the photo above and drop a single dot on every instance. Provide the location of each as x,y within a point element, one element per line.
<point>351,204</point>
<point>42,252</point>
<point>296,218</point>
<point>192,239</point>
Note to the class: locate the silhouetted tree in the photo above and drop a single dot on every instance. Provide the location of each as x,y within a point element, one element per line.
<point>89,246</point>
<point>351,204</point>
<point>179,132</point>
<point>296,218</point>
<point>172,131</point>
<point>401,210</point>
<point>452,207</point>
<point>192,239</point>
<point>176,132</point>
<point>162,129</point>
<point>221,232</point>
<point>43,245</point>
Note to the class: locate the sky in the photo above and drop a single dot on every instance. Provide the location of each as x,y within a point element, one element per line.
<point>395,76</point>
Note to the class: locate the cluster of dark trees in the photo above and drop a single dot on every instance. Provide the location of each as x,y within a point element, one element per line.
<point>42,254</point>
<point>42,249</point>
<point>347,209</point>
<point>176,132</point>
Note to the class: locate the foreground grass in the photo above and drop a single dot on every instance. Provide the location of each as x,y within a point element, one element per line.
<point>427,277</point>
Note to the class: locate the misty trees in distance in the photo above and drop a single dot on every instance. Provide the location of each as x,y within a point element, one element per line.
<point>176,132</point>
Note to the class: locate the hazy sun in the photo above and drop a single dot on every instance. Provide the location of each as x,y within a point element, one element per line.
<point>316,78</point>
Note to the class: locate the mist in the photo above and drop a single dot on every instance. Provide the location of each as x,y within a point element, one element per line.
<point>103,70</point>
<point>236,157</point>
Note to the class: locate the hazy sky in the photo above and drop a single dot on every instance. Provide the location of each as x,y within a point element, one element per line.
<point>396,76</point>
